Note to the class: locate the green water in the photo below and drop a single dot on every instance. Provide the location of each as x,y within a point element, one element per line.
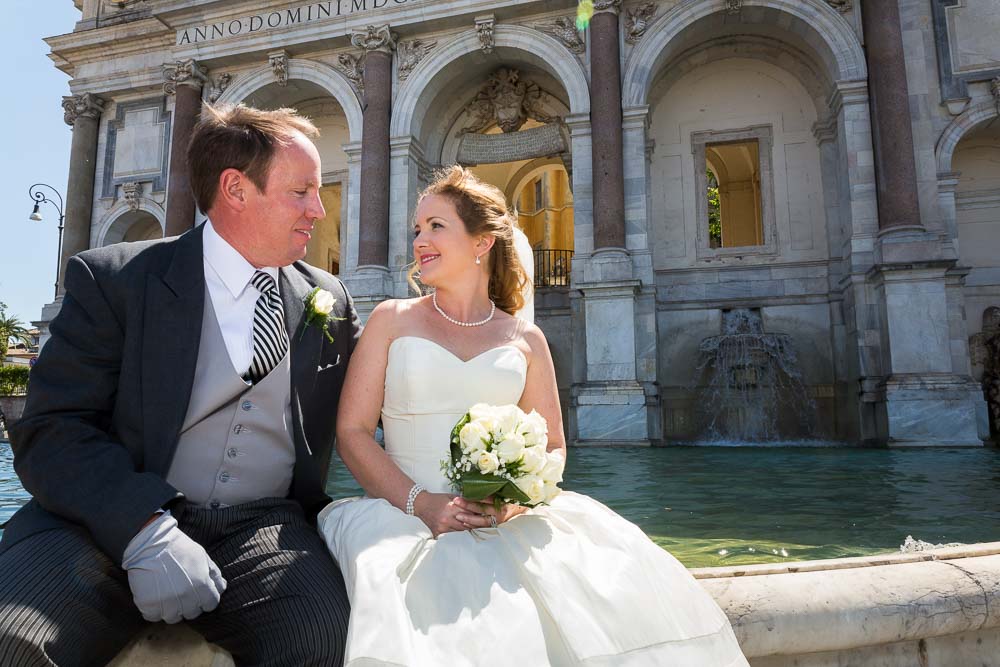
<point>736,505</point>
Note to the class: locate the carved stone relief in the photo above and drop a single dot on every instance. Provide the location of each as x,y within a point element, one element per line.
<point>508,101</point>
<point>637,20</point>
<point>410,53</point>
<point>842,6</point>
<point>218,86</point>
<point>734,6</point>
<point>484,29</point>
<point>132,193</point>
<point>564,29</point>
<point>278,60</point>
<point>353,67</point>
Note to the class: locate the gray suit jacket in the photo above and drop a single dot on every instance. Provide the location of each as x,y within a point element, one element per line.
<point>110,389</point>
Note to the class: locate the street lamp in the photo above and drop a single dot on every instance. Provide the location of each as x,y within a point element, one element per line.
<point>39,197</point>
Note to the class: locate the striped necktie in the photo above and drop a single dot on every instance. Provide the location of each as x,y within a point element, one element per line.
<point>270,339</point>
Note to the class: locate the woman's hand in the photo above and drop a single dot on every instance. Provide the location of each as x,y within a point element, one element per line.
<point>477,514</point>
<point>440,511</point>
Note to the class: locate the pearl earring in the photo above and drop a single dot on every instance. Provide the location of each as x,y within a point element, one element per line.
<point>477,260</point>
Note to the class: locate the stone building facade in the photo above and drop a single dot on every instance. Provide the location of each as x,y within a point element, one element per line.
<point>853,147</point>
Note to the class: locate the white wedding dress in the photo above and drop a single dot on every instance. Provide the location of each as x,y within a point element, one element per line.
<point>571,583</point>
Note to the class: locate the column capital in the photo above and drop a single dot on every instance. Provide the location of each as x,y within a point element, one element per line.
<point>610,6</point>
<point>183,73</point>
<point>87,105</point>
<point>374,38</point>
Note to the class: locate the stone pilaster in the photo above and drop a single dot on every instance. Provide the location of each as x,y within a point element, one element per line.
<point>83,113</point>
<point>895,168</point>
<point>606,126</point>
<point>614,399</point>
<point>184,80</point>
<point>920,394</point>
<point>367,273</point>
<point>378,45</point>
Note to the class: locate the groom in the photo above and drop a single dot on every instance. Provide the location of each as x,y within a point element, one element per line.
<point>179,426</point>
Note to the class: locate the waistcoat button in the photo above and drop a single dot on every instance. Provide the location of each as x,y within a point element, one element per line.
<point>214,504</point>
<point>224,477</point>
<point>232,452</point>
<point>247,405</point>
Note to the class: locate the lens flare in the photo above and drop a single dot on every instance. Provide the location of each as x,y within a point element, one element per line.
<point>584,10</point>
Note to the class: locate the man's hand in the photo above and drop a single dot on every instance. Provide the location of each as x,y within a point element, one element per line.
<point>171,576</point>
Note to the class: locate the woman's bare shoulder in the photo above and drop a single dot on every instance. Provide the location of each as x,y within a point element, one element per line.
<point>392,317</point>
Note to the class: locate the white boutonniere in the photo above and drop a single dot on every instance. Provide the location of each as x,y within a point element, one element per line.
<point>319,305</point>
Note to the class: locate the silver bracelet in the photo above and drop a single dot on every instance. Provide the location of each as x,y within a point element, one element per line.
<point>414,492</point>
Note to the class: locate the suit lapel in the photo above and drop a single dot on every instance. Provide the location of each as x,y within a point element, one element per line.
<point>304,344</point>
<point>174,308</point>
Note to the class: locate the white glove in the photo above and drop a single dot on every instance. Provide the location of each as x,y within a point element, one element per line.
<point>171,575</point>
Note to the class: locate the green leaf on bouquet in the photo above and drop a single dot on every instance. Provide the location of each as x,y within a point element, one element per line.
<point>476,485</point>
<point>512,492</point>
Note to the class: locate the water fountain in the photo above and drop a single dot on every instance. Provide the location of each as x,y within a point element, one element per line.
<point>752,387</point>
<point>984,348</point>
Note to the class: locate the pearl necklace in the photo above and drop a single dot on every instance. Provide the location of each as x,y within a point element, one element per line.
<point>493,310</point>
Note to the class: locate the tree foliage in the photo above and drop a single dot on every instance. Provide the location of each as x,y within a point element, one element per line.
<point>714,211</point>
<point>12,330</point>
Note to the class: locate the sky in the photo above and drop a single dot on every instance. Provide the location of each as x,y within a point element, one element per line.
<point>34,148</point>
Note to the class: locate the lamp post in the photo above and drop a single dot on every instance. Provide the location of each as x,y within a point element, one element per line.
<point>39,197</point>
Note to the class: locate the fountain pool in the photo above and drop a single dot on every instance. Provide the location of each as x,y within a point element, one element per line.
<point>715,506</point>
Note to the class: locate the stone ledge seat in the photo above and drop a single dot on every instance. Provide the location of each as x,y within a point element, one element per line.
<point>937,608</point>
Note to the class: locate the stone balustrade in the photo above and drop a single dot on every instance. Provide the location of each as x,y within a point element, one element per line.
<point>936,608</point>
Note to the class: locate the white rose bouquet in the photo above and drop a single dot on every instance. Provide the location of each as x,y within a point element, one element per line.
<point>500,451</point>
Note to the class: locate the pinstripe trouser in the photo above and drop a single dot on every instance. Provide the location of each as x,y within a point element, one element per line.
<point>64,602</point>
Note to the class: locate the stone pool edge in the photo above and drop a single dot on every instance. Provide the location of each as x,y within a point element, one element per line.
<point>937,608</point>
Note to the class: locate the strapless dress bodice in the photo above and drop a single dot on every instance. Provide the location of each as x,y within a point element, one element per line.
<point>428,389</point>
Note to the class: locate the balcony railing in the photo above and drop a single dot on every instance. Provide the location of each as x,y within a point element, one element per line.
<point>552,267</point>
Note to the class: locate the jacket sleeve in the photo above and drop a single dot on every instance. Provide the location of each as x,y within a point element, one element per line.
<point>64,451</point>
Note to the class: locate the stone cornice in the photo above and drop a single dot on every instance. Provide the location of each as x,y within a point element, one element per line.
<point>101,44</point>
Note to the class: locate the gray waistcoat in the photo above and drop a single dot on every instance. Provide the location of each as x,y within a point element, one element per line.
<point>236,442</point>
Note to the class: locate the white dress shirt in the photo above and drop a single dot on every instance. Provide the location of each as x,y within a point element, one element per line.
<point>227,275</point>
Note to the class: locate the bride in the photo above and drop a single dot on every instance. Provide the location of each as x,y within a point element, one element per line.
<point>435,579</point>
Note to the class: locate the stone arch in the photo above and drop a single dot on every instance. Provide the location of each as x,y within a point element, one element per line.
<point>117,222</point>
<point>766,49</point>
<point>321,74</point>
<point>820,26</point>
<point>529,171</point>
<point>425,81</point>
<point>958,128</point>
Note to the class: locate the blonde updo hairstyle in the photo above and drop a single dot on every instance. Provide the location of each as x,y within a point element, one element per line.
<point>483,210</point>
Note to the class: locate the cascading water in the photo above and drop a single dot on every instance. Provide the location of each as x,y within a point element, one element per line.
<point>753,389</point>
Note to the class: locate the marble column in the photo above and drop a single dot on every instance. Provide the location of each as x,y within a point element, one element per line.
<point>184,80</point>
<point>83,113</point>
<point>892,134</point>
<point>378,45</point>
<point>606,126</point>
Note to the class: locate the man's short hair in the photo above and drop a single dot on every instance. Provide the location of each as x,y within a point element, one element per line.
<point>238,137</point>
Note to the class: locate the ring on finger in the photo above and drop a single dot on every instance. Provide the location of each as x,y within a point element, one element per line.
<point>493,521</point>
